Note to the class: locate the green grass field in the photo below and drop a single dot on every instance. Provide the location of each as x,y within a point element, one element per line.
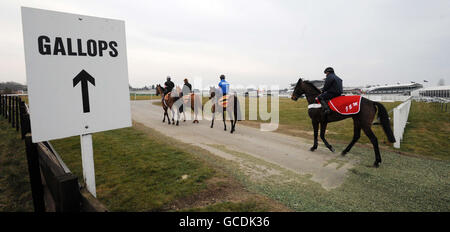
<point>15,190</point>
<point>427,133</point>
<point>143,97</point>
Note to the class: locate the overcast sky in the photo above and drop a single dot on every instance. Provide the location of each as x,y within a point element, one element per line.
<point>257,42</point>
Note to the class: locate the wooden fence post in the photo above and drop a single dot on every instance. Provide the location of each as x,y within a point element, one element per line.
<point>1,104</point>
<point>13,113</point>
<point>69,193</point>
<point>5,109</point>
<point>17,112</point>
<point>9,109</point>
<point>24,126</point>
<point>37,190</point>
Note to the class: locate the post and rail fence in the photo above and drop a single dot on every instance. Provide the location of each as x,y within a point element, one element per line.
<point>54,187</point>
<point>401,113</point>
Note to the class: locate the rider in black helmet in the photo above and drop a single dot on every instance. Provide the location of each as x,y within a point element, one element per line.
<point>331,89</point>
<point>169,85</point>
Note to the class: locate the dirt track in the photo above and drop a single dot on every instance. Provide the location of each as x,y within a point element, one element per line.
<point>292,153</point>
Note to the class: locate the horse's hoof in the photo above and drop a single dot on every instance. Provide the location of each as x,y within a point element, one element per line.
<point>343,153</point>
<point>332,149</point>
<point>313,148</point>
<point>376,165</point>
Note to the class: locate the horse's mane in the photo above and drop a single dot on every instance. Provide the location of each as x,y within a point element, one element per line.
<point>312,85</point>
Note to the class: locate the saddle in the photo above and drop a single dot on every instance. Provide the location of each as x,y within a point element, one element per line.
<point>166,97</point>
<point>345,105</point>
<point>223,101</point>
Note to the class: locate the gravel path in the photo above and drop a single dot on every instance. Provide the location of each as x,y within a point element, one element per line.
<point>292,153</point>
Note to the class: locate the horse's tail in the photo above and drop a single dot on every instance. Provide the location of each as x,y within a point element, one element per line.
<point>384,119</point>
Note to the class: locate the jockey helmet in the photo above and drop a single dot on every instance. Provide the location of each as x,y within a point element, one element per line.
<point>329,69</point>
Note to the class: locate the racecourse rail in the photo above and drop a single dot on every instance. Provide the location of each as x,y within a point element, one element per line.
<point>54,187</point>
<point>401,114</point>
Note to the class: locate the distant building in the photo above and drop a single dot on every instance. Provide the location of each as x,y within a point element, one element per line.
<point>352,90</point>
<point>399,89</point>
<point>438,91</point>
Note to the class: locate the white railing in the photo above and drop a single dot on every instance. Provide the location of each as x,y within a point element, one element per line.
<point>385,97</point>
<point>401,114</point>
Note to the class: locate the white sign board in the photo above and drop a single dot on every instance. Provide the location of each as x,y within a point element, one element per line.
<point>77,74</point>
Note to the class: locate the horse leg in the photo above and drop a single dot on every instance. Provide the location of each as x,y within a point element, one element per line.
<point>231,120</point>
<point>164,118</point>
<point>173,116</point>
<point>323,128</point>
<point>315,125</point>
<point>224,120</point>
<point>168,118</point>
<point>212,122</point>
<point>235,112</point>
<point>374,141</point>
<point>356,135</point>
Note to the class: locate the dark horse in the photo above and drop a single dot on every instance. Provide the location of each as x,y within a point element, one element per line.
<point>362,120</point>
<point>231,108</point>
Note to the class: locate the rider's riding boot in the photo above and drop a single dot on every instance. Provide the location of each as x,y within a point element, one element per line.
<point>325,107</point>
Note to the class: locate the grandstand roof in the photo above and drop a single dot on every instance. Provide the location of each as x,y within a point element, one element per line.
<point>392,86</point>
<point>445,87</point>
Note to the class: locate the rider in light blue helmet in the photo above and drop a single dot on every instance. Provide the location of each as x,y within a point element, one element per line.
<point>224,85</point>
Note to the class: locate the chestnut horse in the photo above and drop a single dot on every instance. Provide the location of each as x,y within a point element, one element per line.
<point>231,107</point>
<point>167,104</point>
<point>362,120</point>
<point>194,102</point>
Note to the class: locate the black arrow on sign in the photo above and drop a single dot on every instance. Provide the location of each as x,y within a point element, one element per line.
<point>84,77</point>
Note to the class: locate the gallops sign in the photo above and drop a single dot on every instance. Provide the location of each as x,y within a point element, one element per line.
<point>77,73</point>
<point>77,78</point>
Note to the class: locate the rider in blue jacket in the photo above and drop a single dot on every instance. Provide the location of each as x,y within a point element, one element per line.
<point>224,85</point>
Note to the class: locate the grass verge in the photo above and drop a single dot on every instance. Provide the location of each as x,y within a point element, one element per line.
<point>15,190</point>
<point>139,169</point>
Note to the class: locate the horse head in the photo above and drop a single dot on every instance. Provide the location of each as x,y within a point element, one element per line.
<point>158,90</point>
<point>212,92</point>
<point>298,90</point>
<point>304,87</point>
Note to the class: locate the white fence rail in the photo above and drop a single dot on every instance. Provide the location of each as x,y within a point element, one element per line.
<point>386,97</point>
<point>401,114</point>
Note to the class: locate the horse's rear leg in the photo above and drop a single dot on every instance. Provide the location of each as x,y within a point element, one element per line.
<point>323,128</point>
<point>168,118</point>
<point>373,139</point>
<point>315,125</point>
<point>224,120</point>
<point>173,117</point>
<point>356,136</point>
